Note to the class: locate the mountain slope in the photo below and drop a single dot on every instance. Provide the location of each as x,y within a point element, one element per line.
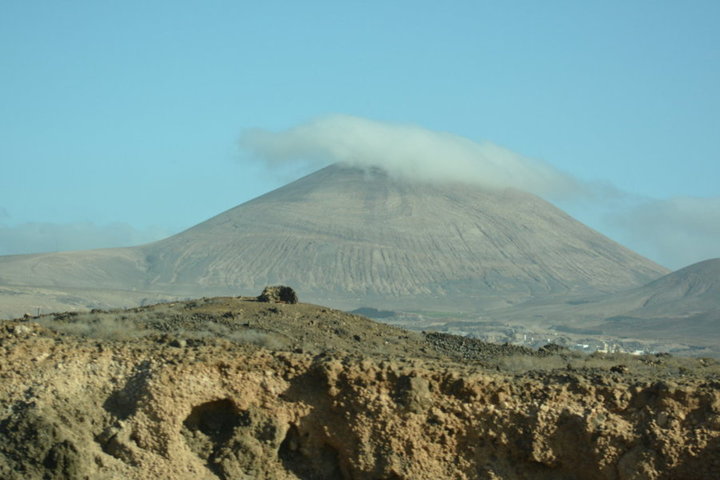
<point>350,237</point>
<point>694,287</point>
<point>119,268</point>
<point>681,307</point>
<point>343,233</point>
<point>684,304</point>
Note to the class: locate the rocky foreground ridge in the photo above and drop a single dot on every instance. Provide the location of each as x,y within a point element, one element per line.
<point>233,388</point>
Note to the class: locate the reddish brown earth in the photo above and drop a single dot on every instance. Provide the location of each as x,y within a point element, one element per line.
<point>231,388</point>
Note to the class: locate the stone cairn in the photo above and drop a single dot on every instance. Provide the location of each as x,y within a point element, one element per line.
<point>278,294</point>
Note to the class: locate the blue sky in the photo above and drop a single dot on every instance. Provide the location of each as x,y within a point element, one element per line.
<point>121,120</point>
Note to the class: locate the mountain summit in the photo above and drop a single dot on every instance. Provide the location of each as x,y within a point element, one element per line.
<point>348,237</point>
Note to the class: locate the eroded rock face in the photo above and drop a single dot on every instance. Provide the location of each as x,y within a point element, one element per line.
<point>75,407</point>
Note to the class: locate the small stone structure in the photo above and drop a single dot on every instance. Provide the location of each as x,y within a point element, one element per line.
<point>278,294</point>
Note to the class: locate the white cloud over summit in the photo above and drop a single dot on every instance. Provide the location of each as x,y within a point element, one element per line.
<point>407,151</point>
<point>674,232</point>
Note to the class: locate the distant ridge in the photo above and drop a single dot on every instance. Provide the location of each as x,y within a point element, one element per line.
<point>350,237</point>
<point>683,304</point>
<point>685,299</point>
<point>697,283</point>
<point>680,307</point>
<point>691,290</point>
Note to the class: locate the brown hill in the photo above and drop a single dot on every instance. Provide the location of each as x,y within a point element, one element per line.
<point>681,307</point>
<point>695,287</point>
<point>684,304</point>
<point>349,237</point>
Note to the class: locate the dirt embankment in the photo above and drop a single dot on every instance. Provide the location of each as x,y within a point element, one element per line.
<point>230,388</point>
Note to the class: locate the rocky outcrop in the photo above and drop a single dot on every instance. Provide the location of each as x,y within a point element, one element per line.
<point>278,294</point>
<point>103,406</point>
